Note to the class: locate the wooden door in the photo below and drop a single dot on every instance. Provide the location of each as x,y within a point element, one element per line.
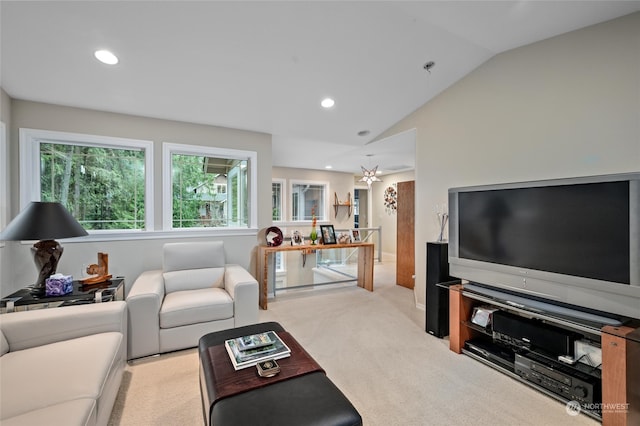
<point>405,248</point>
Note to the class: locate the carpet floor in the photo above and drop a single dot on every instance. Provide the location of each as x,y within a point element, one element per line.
<point>373,346</point>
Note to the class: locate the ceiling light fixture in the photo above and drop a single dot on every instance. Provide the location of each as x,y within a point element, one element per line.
<point>328,167</point>
<point>369,176</point>
<point>106,57</point>
<point>327,103</point>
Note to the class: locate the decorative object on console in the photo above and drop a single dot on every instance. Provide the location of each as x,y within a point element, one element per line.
<point>391,199</point>
<point>99,272</point>
<point>328,234</point>
<point>43,221</point>
<point>273,236</point>
<point>355,236</point>
<point>313,236</point>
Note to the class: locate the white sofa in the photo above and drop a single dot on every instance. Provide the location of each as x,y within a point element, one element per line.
<point>62,365</point>
<point>194,293</point>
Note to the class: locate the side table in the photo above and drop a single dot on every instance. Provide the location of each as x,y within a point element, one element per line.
<point>25,300</point>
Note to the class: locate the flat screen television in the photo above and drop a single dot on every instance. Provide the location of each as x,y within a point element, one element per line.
<point>570,241</point>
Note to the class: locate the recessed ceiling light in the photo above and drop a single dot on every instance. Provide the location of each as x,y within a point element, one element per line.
<point>106,57</point>
<point>327,103</point>
<point>328,167</point>
<point>363,132</point>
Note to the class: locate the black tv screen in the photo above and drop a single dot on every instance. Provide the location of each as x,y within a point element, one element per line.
<point>580,230</point>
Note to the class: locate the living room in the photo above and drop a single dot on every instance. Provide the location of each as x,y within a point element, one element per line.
<point>566,106</point>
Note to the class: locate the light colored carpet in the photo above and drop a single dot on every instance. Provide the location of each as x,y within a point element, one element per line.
<point>374,348</point>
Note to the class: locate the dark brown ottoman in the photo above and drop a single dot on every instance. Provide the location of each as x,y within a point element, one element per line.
<point>308,399</point>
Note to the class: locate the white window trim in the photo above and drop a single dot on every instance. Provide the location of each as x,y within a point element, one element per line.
<point>283,200</point>
<point>30,140</point>
<point>168,149</point>
<point>325,208</point>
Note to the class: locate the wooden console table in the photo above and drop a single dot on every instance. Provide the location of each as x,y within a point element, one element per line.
<point>365,263</point>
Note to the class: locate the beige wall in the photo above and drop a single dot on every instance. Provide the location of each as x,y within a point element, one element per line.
<point>566,106</point>
<point>130,258</point>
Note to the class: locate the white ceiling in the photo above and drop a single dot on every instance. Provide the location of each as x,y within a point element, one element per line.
<point>265,66</point>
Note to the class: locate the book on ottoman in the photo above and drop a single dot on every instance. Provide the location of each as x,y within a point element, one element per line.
<point>260,347</point>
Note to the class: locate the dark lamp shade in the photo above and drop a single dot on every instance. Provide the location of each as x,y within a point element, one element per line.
<point>42,221</point>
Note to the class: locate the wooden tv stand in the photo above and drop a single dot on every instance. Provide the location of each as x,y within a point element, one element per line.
<point>620,369</point>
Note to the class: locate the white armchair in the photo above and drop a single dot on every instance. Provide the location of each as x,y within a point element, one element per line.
<point>195,293</point>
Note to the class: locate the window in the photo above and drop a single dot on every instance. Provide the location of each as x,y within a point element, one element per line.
<point>308,198</point>
<point>208,187</point>
<point>104,182</point>
<point>277,200</point>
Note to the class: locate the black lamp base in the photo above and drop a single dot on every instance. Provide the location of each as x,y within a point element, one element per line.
<point>46,255</point>
<point>37,292</point>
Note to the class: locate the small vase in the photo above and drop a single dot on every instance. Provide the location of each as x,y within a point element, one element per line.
<point>313,236</point>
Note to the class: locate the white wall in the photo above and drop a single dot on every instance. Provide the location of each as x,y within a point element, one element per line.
<point>129,258</point>
<point>566,106</point>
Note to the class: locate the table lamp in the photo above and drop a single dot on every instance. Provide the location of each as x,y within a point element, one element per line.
<point>43,221</point>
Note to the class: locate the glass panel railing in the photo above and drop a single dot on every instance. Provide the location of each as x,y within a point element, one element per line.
<point>322,265</point>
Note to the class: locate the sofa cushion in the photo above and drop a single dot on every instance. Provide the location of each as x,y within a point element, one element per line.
<point>35,378</point>
<point>78,412</point>
<point>195,306</point>
<point>193,279</point>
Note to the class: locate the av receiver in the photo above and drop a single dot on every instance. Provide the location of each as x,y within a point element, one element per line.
<point>558,378</point>
<point>532,334</point>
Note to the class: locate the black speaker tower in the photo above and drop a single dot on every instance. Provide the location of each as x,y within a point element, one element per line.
<point>437,306</point>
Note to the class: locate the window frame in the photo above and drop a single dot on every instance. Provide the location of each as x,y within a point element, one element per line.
<point>283,199</point>
<point>325,207</point>
<point>168,149</point>
<point>30,140</point>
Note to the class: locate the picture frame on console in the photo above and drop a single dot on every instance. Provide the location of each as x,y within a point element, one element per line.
<point>328,234</point>
<point>344,237</point>
<point>297,239</point>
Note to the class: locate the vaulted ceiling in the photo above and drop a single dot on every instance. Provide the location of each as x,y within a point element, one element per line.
<point>265,66</point>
